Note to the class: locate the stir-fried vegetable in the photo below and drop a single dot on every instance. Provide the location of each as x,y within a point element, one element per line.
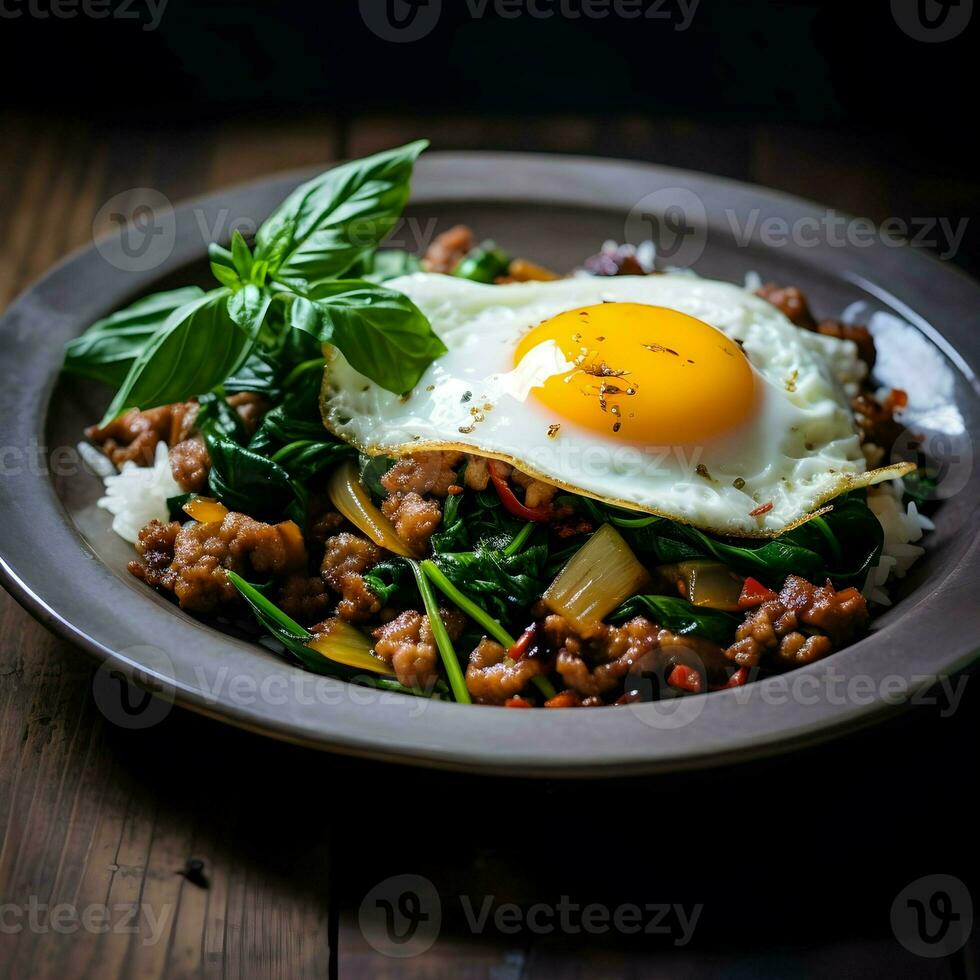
<point>443,643</point>
<point>486,264</point>
<point>680,616</point>
<point>346,644</point>
<point>703,583</point>
<point>296,641</point>
<point>601,575</point>
<point>350,498</point>
<point>205,510</point>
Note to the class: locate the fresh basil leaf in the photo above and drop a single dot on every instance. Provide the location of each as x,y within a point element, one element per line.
<point>334,220</point>
<point>194,350</point>
<point>381,333</point>
<point>248,307</point>
<point>680,616</point>
<point>106,351</point>
<point>241,256</point>
<point>223,266</point>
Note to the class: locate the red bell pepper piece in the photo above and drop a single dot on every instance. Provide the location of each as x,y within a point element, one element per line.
<point>754,593</point>
<point>524,642</point>
<point>511,504</point>
<point>685,678</point>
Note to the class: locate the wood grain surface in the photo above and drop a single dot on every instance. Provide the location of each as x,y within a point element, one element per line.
<point>98,822</point>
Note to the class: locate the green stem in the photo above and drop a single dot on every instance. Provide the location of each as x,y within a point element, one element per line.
<point>449,659</point>
<point>432,571</point>
<point>269,608</point>
<point>464,602</point>
<point>519,539</point>
<point>302,368</point>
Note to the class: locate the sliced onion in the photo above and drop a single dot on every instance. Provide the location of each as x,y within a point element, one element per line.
<point>598,578</point>
<point>347,645</point>
<point>703,582</point>
<point>205,510</point>
<point>353,501</point>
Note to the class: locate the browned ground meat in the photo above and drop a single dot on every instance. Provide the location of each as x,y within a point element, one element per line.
<point>848,331</point>
<point>155,546</point>
<point>415,519</point>
<point>536,492</point>
<point>134,435</point>
<point>790,302</point>
<point>345,560</point>
<point>323,520</point>
<point>490,681</point>
<point>876,420</point>
<point>423,473</point>
<point>595,666</point>
<point>408,645</point>
<point>190,464</point>
<point>250,406</point>
<point>305,597</point>
<point>202,552</point>
<point>444,253</point>
<point>476,476</point>
<point>778,625</point>
<point>411,482</point>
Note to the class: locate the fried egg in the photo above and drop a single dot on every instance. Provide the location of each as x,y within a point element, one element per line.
<point>669,394</point>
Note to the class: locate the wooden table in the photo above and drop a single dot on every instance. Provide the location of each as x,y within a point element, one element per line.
<point>795,861</point>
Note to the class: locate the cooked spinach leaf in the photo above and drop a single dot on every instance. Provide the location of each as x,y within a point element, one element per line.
<point>680,616</point>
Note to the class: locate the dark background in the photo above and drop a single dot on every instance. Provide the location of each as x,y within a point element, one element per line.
<point>797,860</point>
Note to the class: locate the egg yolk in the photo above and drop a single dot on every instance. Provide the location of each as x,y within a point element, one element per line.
<point>647,374</point>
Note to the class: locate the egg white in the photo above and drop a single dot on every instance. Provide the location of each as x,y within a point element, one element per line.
<point>798,451</point>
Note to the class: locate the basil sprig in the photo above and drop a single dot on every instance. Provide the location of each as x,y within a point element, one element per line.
<point>180,344</point>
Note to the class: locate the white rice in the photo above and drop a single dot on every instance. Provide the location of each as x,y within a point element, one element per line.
<point>902,527</point>
<point>138,494</point>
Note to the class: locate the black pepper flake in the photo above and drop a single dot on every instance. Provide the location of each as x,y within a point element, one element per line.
<point>702,471</point>
<point>617,426</point>
<point>738,483</point>
<point>467,395</point>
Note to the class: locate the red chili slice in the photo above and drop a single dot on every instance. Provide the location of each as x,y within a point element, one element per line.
<point>754,593</point>
<point>685,678</point>
<point>511,504</point>
<point>738,679</point>
<point>524,642</point>
<point>764,509</point>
